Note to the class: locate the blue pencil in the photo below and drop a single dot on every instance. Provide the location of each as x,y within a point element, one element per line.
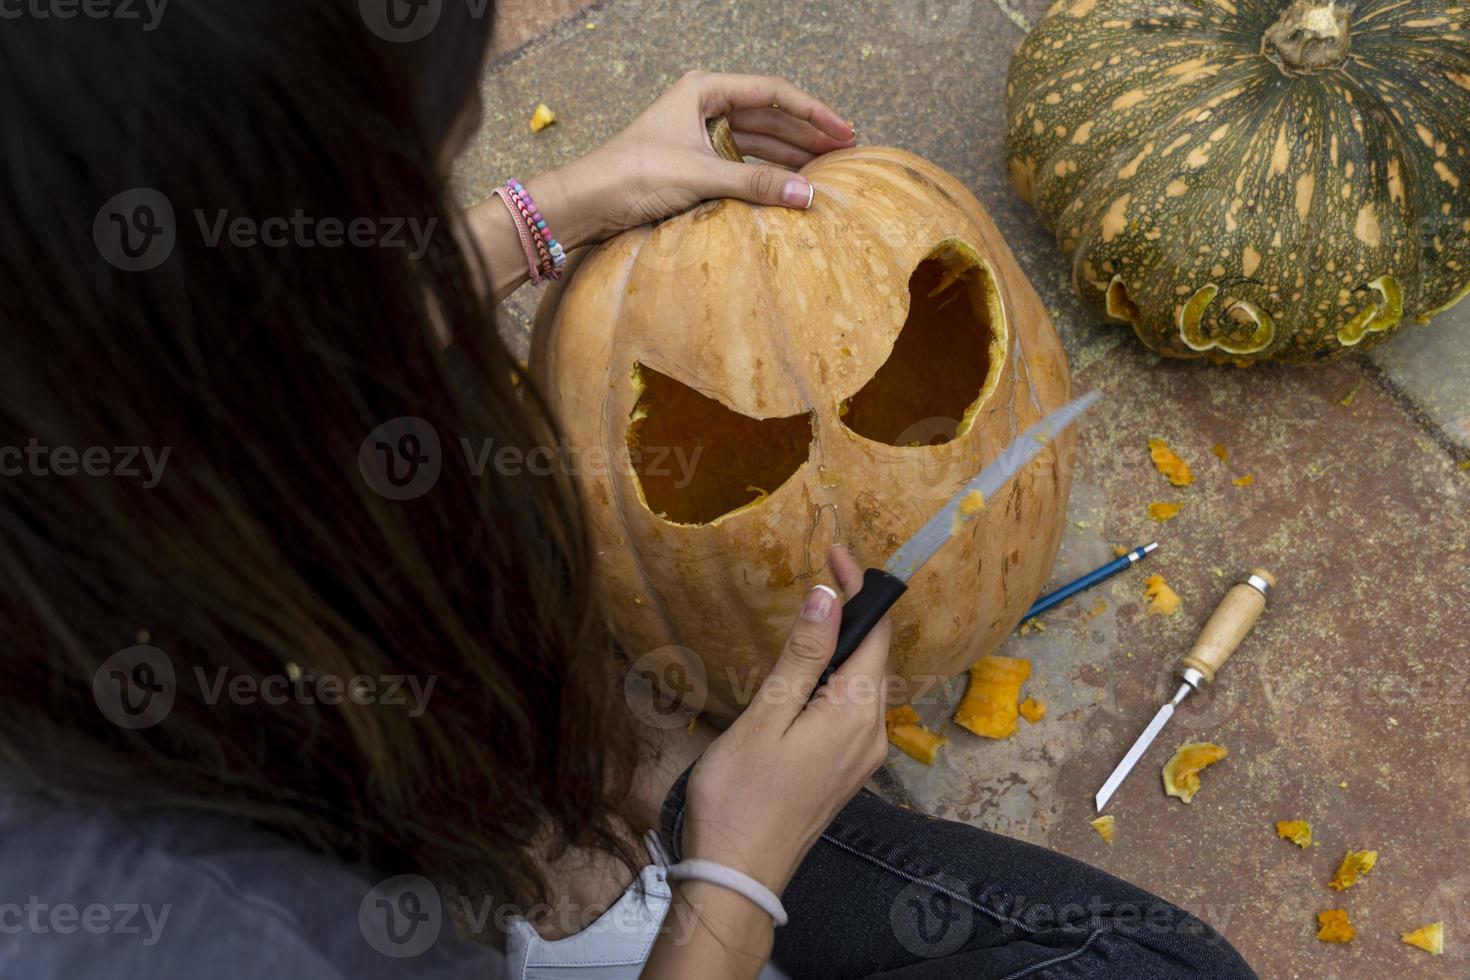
<point>1088,581</point>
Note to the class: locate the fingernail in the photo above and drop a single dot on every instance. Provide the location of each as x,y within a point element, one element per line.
<point>798,193</point>
<point>820,602</point>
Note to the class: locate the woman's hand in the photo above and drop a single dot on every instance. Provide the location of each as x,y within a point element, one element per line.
<point>771,783</point>
<point>764,791</point>
<point>663,163</point>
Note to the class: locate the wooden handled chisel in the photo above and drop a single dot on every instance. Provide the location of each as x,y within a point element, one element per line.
<point>1237,613</point>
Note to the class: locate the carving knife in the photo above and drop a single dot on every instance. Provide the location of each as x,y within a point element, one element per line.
<point>883,586</point>
<point>1227,627</point>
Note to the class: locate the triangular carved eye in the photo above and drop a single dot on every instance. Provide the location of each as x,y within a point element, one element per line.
<point>697,461</point>
<point>944,361</point>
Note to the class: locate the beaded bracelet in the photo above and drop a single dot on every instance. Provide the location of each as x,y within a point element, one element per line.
<point>555,255</point>
<point>536,225</point>
<point>533,262</point>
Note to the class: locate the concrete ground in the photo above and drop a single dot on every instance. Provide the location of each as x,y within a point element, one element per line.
<point>1348,704</point>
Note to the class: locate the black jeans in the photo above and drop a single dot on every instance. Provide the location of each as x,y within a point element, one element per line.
<point>889,892</point>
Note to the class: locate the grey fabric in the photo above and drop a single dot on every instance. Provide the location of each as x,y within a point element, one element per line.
<point>121,895</point>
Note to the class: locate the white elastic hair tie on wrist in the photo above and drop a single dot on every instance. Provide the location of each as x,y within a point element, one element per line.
<point>697,869</point>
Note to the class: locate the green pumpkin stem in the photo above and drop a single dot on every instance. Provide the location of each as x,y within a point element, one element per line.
<point>1309,36</point>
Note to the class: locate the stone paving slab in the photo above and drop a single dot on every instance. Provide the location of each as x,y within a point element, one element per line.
<point>1360,509</point>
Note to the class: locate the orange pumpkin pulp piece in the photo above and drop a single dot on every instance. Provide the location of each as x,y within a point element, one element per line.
<point>1164,600</point>
<point>1299,832</point>
<point>907,734</point>
<point>1181,773</point>
<point>1355,864</point>
<point>1162,511</point>
<point>990,706</point>
<point>1169,463</point>
<point>1429,938</point>
<point>1333,926</point>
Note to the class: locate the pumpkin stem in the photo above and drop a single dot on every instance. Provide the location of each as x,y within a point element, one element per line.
<point>1309,36</point>
<point>722,138</point>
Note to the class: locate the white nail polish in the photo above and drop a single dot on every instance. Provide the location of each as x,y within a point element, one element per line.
<point>811,195</point>
<point>831,592</point>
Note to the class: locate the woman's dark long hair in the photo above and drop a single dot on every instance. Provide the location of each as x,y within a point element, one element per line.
<point>260,549</point>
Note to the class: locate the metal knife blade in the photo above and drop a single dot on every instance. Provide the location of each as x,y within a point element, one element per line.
<point>914,552</point>
<point>1139,748</point>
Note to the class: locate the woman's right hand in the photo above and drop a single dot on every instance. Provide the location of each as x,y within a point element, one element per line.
<point>769,785</point>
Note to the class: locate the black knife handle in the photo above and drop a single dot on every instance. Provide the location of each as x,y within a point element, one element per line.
<point>862,612</point>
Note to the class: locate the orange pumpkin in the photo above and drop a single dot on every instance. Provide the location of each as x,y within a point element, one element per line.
<point>755,384</point>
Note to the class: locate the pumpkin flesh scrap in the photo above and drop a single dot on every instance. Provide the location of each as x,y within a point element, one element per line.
<point>906,732</point>
<point>1355,864</point>
<point>990,706</point>
<point>1163,601</point>
<point>972,505</point>
<point>1429,938</point>
<point>1169,464</point>
<point>1333,926</point>
<point>1032,710</point>
<point>1162,511</point>
<point>1106,827</point>
<point>1181,773</point>
<point>1299,832</point>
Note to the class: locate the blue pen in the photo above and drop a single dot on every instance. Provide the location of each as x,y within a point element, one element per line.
<point>1088,581</point>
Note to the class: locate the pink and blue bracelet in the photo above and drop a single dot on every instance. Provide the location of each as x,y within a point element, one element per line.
<point>545,256</point>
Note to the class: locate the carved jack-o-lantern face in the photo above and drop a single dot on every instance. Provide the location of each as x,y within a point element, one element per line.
<point>766,382</point>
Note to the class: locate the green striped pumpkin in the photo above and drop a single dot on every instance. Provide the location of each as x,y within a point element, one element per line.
<point>1247,180</point>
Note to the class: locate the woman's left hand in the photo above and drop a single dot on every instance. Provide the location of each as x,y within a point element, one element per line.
<point>663,163</point>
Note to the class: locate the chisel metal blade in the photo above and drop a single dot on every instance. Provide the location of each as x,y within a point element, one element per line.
<point>1139,748</point>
